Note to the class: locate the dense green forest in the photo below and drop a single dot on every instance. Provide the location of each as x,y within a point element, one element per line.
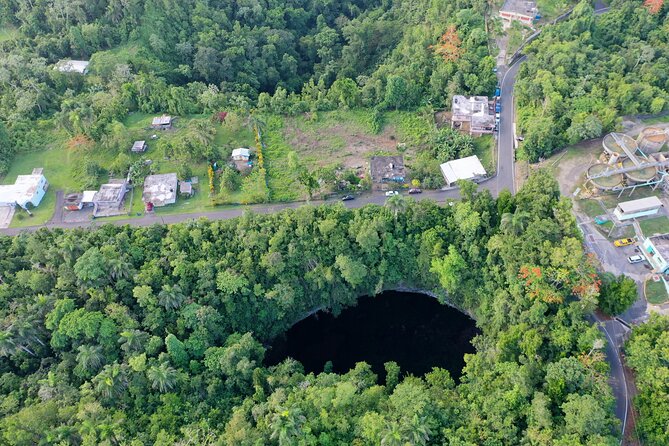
<point>140,336</point>
<point>648,355</point>
<point>582,74</point>
<point>187,57</point>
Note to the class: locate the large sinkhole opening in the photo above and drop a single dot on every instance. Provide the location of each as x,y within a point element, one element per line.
<point>414,330</point>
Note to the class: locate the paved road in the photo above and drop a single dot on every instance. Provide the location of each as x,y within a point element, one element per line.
<point>505,141</point>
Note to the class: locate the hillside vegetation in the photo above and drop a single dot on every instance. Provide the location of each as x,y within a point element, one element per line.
<point>195,57</point>
<point>154,336</point>
<point>581,75</point>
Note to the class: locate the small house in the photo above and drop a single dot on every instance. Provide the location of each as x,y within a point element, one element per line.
<point>72,66</point>
<point>186,188</point>
<point>163,122</point>
<point>26,189</point>
<point>160,190</point>
<point>241,154</point>
<point>139,147</point>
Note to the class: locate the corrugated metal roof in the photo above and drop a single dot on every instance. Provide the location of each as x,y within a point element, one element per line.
<point>640,205</point>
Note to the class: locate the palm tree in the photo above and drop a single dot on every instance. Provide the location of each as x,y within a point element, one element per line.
<point>514,223</point>
<point>163,377</point>
<point>171,297</point>
<point>133,340</point>
<point>90,358</point>
<point>112,381</point>
<point>119,268</point>
<point>397,204</point>
<point>286,425</point>
<point>416,431</point>
<point>392,435</point>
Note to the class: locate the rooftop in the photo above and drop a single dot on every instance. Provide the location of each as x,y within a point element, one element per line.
<point>524,7</point>
<point>162,120</point>
<point>185,187</point>
<point>23,188</point>
<point>241,152</point>
<point>160,189</point>
<point>387,168</point>
<point>138,146</point>
<point>110,193</point>
<point>463,169</point>
<point>661,244</point>
<point>640,205</point>
<point>474,105</point>
<point>72,66</point>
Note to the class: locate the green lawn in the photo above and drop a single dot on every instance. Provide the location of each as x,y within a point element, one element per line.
<point>549,9</point>
<point>591,208</point>
<point>652,226</point>
<point>656,293</point>
<point>486,151</point>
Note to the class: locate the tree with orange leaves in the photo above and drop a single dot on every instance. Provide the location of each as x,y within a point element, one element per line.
<point>449,46</point>
<point>653,6</point>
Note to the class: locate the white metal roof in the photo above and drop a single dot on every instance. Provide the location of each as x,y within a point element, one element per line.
<point>463,169</point>
<point>161,120</point>
<point>640,205</point>
<point>241,152</point>
<point>72,66</point>
<point>88,196</point>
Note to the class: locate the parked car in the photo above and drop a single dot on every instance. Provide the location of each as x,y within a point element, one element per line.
<point>347,198</point>
<point>415,190</point>
<point>623,242</point>
<point>498,92</point>
<point>390,193</point>
<point>636,259</point>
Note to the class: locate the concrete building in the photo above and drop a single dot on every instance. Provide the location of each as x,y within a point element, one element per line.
<point>387,169</point>
<point>139,147</point>
<point>160,190</point>
<point>26,189</point>
<point>186,188</point>
<point>469,168</point>
<point>108,200</point>
<point>163,122</point>
<point>472,114</point>
<point>656,250</point>
<point>637,208</point>
<point>72,66</point>
<point>523,11</point>
<point>241,154</point>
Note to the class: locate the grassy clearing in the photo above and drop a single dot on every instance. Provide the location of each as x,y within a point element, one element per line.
<point>652,226</point>
<point>591,208</point>
<point>658,120</point>
<point>656,292</point>
<point>485,149</point>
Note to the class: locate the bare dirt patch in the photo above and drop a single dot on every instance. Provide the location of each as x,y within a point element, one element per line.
<point>339,144</point>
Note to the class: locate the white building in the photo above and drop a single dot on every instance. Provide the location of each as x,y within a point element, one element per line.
<point>72,66</point>
<point>469,168</point>
<point>241,154</point>
<point>27,189</point>
<point>637,208</point>
<point>523,11</point>
<point>474,113</point>
<point>160,190</point>
<point>656,250</point>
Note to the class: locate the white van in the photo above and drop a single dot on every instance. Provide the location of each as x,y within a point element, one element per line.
<point>636,259</point>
